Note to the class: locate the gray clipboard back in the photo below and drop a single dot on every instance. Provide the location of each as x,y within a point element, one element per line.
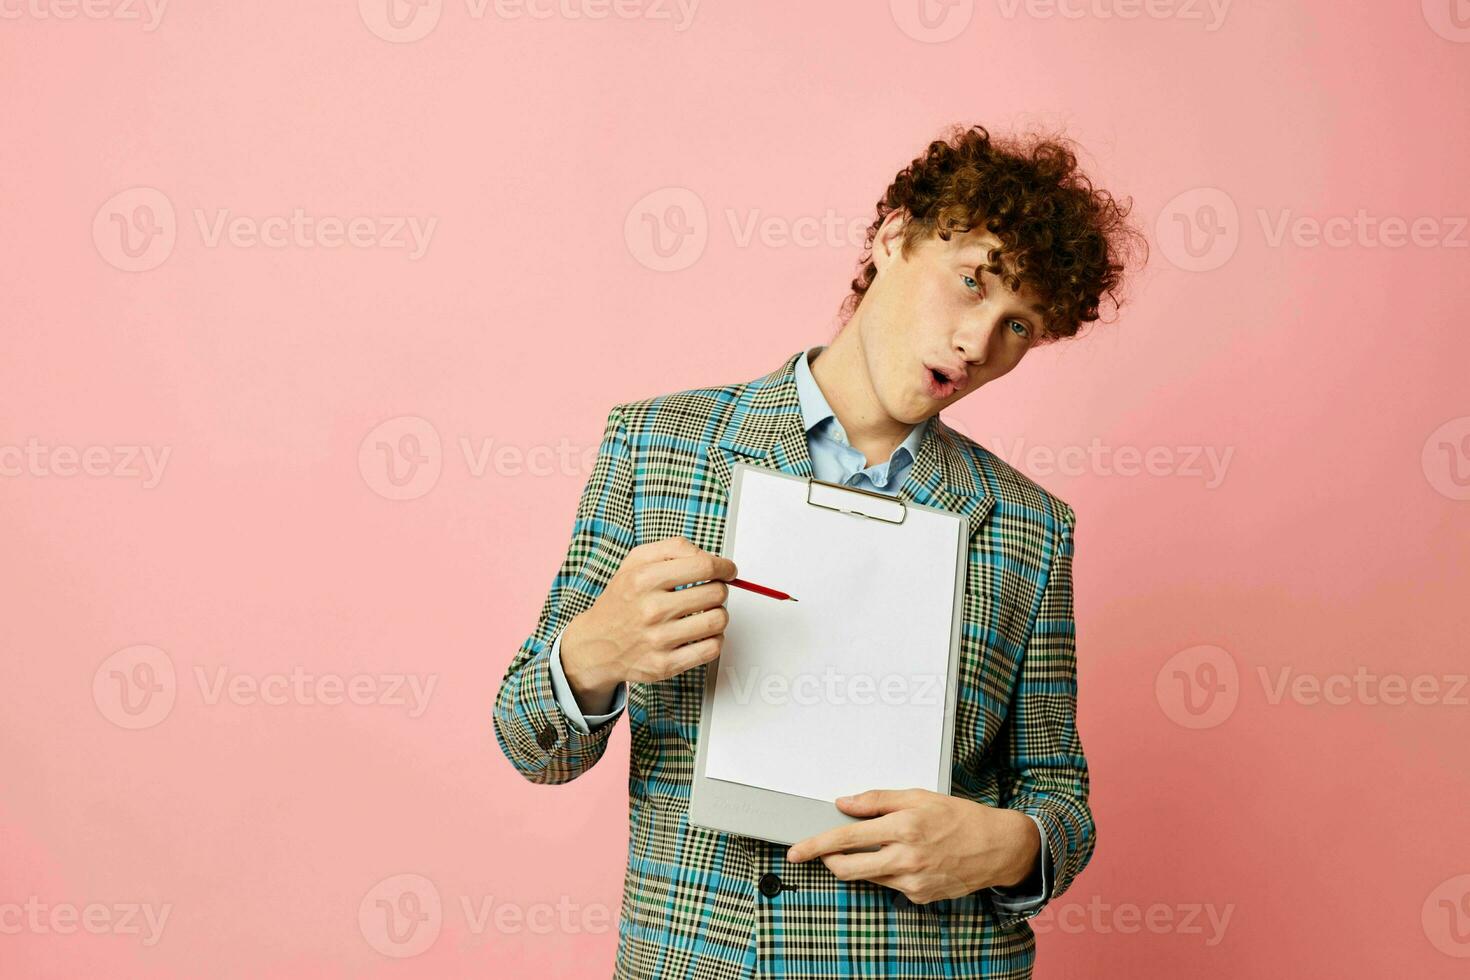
<point>770,815</point>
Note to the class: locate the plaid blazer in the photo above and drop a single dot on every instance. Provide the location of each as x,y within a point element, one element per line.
<point>694,904</point>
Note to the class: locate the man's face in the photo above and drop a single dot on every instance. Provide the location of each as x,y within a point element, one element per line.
<point>931,309</point>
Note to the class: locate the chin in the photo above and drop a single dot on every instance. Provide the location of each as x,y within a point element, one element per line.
<point>915,415</point>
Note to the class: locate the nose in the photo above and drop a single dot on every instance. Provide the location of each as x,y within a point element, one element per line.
<point>974,344</point>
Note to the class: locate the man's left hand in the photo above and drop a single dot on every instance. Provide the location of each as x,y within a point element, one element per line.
<point>930,846</point>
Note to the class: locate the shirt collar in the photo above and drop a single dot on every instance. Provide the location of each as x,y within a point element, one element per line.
<point>815,410</point>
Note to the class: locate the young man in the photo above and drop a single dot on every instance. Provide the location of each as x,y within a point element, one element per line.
<point>980,252</point>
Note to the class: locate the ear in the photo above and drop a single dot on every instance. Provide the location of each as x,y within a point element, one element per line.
<point>889,239</point>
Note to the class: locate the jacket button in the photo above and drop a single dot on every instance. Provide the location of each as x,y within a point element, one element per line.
<point>770,885</point>
<point>546,738</point>
<point>901,901</point>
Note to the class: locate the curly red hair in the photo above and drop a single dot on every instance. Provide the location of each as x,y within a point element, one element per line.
<point>1067,240</point>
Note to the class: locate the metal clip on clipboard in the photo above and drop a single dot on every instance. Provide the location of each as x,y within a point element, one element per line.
<point>903,510</point>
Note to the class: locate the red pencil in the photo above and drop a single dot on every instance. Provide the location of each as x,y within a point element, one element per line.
<point>740,583</point>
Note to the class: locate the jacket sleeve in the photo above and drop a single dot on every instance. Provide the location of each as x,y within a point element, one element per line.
<point>1044,770</point>
<point>531,726</point>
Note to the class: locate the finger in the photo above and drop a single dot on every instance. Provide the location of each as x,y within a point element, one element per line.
<point>662,549</point>
<point>850,867</point>
<point>848,837</point>
<point>700,567</point>
<point>673,607</point>
<point>691,655</point>
<point>698,598</point>
<point>688,629</point>
<point>875,802</point>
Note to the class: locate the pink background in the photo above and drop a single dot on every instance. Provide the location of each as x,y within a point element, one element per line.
<point>1308,838</point>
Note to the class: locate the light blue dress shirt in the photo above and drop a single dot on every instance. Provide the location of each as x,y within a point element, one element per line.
<point>836,461</point>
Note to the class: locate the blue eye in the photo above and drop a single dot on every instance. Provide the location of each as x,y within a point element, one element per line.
<point>1017,327</point>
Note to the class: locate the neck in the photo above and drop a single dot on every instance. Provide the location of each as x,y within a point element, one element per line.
<point>841,371</point>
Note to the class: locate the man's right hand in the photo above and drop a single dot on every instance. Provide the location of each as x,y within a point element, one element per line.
<point>640,629</point>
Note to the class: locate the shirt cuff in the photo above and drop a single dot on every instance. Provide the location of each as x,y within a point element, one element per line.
<point>1030,894</point>
<point>568,701</point>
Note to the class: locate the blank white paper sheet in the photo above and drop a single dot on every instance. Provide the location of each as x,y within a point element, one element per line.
<point>844,690</point>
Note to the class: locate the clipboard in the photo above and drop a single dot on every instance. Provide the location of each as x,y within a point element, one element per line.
<point>812,510</point>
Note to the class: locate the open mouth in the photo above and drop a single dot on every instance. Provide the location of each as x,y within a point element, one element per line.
<point>939,384</point>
